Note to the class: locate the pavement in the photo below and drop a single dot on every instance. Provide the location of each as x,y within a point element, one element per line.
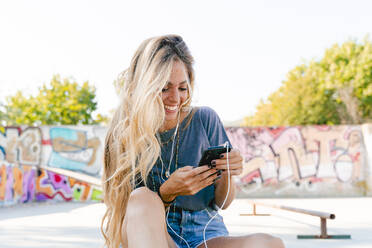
<point>71,224</point>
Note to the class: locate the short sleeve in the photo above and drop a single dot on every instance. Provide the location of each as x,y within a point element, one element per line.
<point>213,126</point>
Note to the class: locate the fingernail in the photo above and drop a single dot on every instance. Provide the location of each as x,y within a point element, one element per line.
<point>214,180</point>
<point>221,156</point>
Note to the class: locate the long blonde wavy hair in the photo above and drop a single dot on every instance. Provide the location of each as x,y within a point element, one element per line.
<point>131,145</point>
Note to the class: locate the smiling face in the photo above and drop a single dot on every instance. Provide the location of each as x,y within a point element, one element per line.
<point>175,93</point>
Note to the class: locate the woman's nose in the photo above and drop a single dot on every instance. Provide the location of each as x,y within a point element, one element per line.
<point>174,94</point>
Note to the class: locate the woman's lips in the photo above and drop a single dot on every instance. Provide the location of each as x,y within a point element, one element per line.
<point>170,109</point>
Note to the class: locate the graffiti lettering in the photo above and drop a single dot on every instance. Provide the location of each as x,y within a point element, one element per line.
<point>19,146</point>
<point>296,156</point>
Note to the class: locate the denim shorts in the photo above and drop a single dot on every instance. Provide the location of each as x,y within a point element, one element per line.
<point>190,226</point>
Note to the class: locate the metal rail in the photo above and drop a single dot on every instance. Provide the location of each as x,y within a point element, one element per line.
<point>322,215</point>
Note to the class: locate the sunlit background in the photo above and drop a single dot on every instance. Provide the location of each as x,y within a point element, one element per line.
<point>243,49</point>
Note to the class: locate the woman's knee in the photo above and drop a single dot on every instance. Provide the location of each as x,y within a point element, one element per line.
<point>143,202</point>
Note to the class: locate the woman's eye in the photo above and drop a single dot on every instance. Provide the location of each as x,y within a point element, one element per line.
<point>164,90</point>
<point>183,89</point>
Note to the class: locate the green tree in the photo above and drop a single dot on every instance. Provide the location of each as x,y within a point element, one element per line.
<point>2,114</point>
<point>63,102</point>
<point>335,90</point>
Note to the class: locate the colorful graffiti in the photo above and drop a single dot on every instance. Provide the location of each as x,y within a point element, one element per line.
<point>21,146</point>
<point>278,161</point>
<point>72,148</point>
<point>367,137</point>
<point>27,184</point>
<point>324,160</point>
<point>24,149</point>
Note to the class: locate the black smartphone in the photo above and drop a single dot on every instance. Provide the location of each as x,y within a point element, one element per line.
<point>212,153</point>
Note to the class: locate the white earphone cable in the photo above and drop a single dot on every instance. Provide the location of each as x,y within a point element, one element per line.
<point>171,158</point>
<point>210,220</point>
<point>227,194</point>
<point>166,219</point>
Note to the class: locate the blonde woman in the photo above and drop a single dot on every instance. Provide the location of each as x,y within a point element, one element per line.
<point>156,194</point>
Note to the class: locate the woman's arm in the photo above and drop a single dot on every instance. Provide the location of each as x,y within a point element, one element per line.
<point>221,191</point>
<point>186,181</point>
<point>235,163</point>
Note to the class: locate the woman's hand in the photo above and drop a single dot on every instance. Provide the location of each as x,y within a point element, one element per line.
<point>187,180</point>
<point>235,163</point>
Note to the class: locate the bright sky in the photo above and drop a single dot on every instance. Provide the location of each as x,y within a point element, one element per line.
<point>243,49</point>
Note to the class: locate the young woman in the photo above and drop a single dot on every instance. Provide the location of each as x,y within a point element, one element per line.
<point>156,194</point>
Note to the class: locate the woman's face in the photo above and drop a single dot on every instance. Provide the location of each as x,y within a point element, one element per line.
<point>175,93</point>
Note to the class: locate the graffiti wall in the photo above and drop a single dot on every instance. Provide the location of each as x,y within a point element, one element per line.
<point>278,161</point>
<point>302,161</point>
<point>23,184</point>
<point>367,135</point>
<point>68,147</point>
<point>23,150</point>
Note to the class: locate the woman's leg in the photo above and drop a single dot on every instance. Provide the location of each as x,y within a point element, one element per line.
<point>258,240</point>
<point>144,224</point>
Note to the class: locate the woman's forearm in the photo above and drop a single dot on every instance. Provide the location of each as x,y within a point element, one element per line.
<point>221,191</point>
<point>166,194</point>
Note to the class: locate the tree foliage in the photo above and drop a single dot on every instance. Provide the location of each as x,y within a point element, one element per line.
<point>63,102</point>
<point>2,112</point>
<point>335,90</point>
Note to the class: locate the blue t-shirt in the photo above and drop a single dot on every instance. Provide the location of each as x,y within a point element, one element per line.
<point>205,129</point>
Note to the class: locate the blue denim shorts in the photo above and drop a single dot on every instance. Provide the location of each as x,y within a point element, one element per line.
<point>190,226</point>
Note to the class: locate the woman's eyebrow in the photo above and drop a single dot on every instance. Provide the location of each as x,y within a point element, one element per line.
<point>183,82</point>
